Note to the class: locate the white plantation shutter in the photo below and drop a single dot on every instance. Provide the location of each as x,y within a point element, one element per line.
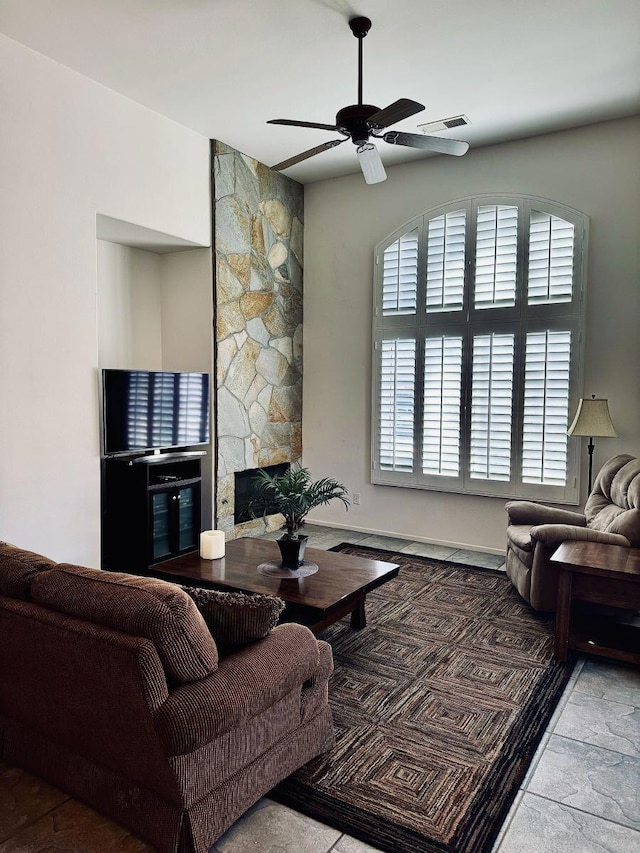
<point>496,256</point>
<point>400,275</point>
<point>478,322</point>
<point>163,417</point>
<point>445,262</point>
<point>491,406</point>
<point>551,243</point>
<point>138,420</point>
<point>190,414</point>
<point>397,404</point>
<point>442,405</point>
<point>546,407</point>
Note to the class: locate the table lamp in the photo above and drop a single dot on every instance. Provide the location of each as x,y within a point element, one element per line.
<point>593,420</point>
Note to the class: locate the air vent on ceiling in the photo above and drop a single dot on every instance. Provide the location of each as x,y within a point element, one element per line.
<point>444,124</point>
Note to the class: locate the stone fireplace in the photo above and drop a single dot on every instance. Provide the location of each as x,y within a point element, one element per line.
<point>258,228</point>
<point>246,504</point>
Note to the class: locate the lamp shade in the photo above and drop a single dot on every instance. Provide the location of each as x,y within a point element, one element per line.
<point>592,419</point>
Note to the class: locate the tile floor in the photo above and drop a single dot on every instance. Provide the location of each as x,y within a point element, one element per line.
<point>581,793</point>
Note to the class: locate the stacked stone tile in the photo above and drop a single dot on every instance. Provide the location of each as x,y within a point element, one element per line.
<point>258,227</point>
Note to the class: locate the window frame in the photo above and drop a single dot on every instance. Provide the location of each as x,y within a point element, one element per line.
<point>469,320</point>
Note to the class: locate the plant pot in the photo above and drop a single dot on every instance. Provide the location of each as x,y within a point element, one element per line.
<point>292,551</point>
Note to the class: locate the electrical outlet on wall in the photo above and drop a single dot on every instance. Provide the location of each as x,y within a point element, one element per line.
<point>356,498</point>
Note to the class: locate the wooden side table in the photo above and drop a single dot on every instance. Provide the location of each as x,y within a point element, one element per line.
<point>600,574</point>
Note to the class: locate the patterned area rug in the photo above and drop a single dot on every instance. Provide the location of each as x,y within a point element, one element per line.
<point>439,704</point>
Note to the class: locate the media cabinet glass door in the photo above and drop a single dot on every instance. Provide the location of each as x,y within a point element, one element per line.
<point>174,522</point>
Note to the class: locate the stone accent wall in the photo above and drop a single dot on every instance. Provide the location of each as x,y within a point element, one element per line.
<point>258,226</point>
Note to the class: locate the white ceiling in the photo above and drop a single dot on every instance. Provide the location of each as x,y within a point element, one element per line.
<point>516,68</point>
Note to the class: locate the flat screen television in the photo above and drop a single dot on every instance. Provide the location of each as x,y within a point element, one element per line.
<point>153,410</point>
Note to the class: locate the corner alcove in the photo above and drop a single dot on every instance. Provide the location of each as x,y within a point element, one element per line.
<point>155,309</point>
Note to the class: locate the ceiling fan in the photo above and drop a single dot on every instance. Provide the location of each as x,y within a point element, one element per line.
<point>360,122</point>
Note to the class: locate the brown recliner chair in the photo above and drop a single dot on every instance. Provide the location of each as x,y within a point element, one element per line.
<point>611,515</point>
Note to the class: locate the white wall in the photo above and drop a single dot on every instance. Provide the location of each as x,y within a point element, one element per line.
<point>129,308</point>
<point>155,312</point>
<point>69,149</point>
<point>187,334</point>
<point>595,170</point>
<point>187,310</point>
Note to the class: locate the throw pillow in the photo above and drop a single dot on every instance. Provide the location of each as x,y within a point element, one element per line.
<point>234,618</point>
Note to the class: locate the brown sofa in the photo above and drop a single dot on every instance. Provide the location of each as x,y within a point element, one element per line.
<point>611,516</point>
<point>112,689</point>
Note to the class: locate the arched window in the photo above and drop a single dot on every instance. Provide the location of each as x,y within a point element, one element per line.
<point>478,319</point>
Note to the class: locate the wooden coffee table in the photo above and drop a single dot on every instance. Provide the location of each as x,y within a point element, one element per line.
<point>339,587</point>
<point>600,574</point>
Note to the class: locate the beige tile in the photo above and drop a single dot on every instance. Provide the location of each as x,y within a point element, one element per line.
<point>74,828</point>
<point>274,828</point>
<point>387,543</point>
<point>347,844</point>
<point>601,722</point>
<point>607,680</point>
<point>542,825</point>
<point>23,799</point>
<point>478,558</point>
<point>424,549</point>
<point>589,778</point>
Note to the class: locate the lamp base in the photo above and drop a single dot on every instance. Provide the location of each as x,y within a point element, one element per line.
<point>590,447</point>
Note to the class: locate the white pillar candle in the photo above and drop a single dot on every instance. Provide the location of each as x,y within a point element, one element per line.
<point>212,544</point>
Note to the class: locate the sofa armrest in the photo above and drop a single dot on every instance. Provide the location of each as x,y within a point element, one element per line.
<point>528,512</point>
<point>245,684</point>
<point>550,533</point>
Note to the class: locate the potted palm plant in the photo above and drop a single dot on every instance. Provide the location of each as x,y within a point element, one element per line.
<point>293,494</point>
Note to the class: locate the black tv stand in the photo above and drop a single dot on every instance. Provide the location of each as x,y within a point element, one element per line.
<point>150,508</point>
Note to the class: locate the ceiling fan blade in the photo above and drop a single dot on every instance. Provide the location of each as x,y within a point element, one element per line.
<point>370,163</point>
<point>429,143</point>
<point>400,109</point>
<point>306,154</point>
<point>294,123</point>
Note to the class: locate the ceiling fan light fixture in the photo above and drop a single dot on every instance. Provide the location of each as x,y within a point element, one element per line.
<point>370,163</point>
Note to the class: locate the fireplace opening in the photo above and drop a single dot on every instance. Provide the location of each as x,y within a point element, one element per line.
<point>246,504</point>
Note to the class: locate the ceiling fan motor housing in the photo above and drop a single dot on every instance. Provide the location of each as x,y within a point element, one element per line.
<point>354,121</point>
<point>360,26</point>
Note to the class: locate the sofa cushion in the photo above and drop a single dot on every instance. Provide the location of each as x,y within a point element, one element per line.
<point>235,619</point>
<point>17,570</point>
<point>141,606</point>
